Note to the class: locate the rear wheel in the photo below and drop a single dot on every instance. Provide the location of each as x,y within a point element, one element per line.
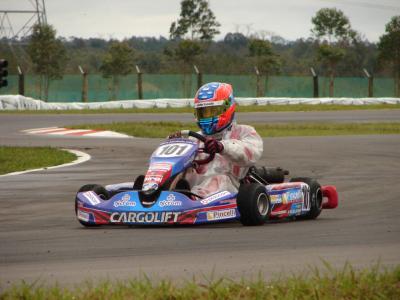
<point>99,190</point>
<point>315,197</point>
<point>253,204</point>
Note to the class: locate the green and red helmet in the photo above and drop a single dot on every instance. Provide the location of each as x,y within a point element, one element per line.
<point>214,107</point>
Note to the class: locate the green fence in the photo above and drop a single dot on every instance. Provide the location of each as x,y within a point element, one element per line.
<point>69,88</point>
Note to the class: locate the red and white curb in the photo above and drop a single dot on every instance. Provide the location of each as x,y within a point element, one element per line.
<point>81,158</point>
<point>58,131</point>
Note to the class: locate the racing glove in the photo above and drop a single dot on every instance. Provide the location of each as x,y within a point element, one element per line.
<point>212,146</point>
<point>175,135</point>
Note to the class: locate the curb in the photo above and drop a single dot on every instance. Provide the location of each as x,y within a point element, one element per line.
<point>82,157</point>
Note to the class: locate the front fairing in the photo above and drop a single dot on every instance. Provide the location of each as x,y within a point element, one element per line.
<point>170,208</point>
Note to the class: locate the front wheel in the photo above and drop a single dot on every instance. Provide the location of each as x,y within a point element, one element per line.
<point>254,204</point>
<point>99,190</point>
<point>315,198</point>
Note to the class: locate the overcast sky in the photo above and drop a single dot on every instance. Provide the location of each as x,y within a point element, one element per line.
<point>290,19</point>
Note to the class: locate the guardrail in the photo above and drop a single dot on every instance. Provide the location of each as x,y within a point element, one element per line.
<point>18,102</point>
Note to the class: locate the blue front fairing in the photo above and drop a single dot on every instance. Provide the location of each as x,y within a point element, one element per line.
<point>170,208</point>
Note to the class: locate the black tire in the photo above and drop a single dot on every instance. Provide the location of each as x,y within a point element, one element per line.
<point>254,204</point>
<point>315,197</point>
<point>99,190</point>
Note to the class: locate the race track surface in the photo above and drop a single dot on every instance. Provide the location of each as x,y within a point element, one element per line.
<point>41,239</point>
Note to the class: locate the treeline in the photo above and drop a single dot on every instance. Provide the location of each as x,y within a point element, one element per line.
<point>231,55</point>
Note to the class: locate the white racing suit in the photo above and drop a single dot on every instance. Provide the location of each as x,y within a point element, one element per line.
<point>243,147</point>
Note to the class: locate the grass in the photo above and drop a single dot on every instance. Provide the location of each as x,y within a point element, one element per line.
<point>13,159</point>
<point>163,129</point>
<point>347,283</point>
<point>251,108</point>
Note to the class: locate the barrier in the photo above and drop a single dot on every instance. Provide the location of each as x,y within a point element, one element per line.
<point>18,102</point>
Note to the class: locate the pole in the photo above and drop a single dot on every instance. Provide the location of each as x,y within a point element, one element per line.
<point>199,77</point>
<point>370,83</point>
<point>139,82</point>
<point>21,81</point>
<point>258,76</point>
<point>85,85</point>
<point>315,83</point>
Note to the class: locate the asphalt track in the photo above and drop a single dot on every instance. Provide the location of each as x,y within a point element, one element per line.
<point>41,239</point>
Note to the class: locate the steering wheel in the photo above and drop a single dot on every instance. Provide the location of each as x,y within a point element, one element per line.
<point>201,150</point>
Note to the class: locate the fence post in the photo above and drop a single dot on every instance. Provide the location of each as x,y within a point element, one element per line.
<point>199,77</point>
<point>315,83</point>
<point>85,84</point>
<point>139,82</point>
<point>370,83</point>
<point>258,76</point>
<point>21,82</point>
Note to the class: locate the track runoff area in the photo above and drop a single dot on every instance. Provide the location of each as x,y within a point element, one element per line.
<point>44,239</point>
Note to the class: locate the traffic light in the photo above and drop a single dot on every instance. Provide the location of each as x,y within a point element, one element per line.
<point>3,72</point>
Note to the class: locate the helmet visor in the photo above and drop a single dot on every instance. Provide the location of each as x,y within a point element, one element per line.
<point>209,112</point>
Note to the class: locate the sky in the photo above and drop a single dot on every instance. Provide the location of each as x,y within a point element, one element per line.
<point>118,19</point>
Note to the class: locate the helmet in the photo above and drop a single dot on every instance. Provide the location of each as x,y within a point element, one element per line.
<point>214,107</point>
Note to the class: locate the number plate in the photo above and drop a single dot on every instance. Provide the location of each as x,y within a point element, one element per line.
<point>173,150</point>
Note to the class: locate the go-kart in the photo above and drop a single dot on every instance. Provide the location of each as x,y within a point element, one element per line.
<point>163,196</point>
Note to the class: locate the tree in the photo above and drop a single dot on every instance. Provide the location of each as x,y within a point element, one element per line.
<point>264,59</point>
<point>389,49</point>
<point>333,29</point>
<point>197,20</point>
<point>118,61</point>
<point>196,23</point>
<point>186,52</point>
<point>48,56</point>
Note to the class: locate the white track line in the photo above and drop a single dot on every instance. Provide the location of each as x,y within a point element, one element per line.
<point>82,157</point>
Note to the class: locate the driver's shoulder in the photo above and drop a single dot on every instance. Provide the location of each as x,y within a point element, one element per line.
<point>244,129</point>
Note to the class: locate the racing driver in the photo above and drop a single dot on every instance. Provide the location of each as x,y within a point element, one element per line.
<point>236,147</point>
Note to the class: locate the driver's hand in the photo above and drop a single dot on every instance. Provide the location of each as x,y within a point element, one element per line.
<point>175,135</point>
<point>212,146</point>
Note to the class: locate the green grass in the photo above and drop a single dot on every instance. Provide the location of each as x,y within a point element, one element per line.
<point>252,108</point>
<point>163,129</point>
<point>347,283</point>
<point>13,159</point>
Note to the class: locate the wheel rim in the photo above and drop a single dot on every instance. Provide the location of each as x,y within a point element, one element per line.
<point>263,204</point>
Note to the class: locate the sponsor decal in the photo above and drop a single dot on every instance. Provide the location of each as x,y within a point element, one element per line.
<point>170,201</point>
<point>292,197</point>
<point>144,217</point>
<point>150,186</point>
<point>295,209</point>
<point>208,103</point>
<point>275,199</point>
<point>125,201</point>
<point>83,216</point>
<point>221,214</point>
<point>295,196</point>
<point>160,167</point>
<point>214,197</point>
<point>153,178</point>
<point>92,197</point>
